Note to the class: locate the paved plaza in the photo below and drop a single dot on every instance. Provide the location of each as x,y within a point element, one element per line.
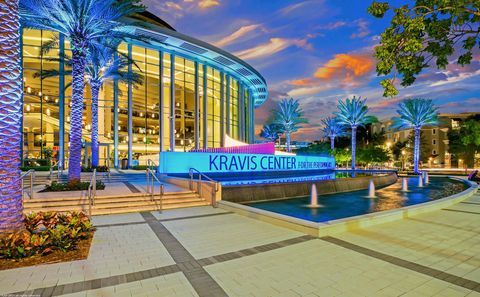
<point>206,251</point>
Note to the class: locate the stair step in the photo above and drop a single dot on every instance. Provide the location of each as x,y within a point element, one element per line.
<point>111,210</point>
<point>167,195</point>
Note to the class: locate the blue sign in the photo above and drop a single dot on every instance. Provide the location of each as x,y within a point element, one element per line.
<point>177,162</point>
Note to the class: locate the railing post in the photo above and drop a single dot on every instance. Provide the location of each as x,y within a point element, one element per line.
<point>31,184</point>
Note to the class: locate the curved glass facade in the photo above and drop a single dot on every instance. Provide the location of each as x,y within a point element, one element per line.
<point>184,103</point>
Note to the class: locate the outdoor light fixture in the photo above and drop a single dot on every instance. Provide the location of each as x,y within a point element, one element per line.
<point>29,90</point>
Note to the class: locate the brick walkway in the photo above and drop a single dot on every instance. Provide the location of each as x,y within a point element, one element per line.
<point>211,252</point>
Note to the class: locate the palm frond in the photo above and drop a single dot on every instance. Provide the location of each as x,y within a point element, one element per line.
<point>353,112</point>
<point>415,113</point>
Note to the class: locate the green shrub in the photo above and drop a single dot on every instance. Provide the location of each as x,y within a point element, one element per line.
<point>140,167</point>
<point>61,187</point>
<point>46,232</point>
<point>37,168</point>
<point>99,169</point>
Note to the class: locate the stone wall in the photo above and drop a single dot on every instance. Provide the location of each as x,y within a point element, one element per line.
<point>262,192</point>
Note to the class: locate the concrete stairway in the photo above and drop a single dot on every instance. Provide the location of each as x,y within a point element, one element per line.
<point>87,176</point>
<point>116,204</point>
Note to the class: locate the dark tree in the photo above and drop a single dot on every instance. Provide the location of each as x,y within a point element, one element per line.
<point>425,33</point>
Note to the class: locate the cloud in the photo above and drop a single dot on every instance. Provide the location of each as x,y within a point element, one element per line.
<point>334,25</point>
<point>299,92</point>
<point>453,78</point>
<point>301,82</point>
<point>362,29</point>
<point>274,45</point>
<point>205,4</point>
<point>229,39</point>
<point>346,68</point>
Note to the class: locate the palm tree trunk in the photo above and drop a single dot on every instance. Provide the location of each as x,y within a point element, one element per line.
<point>332,143</point>
<point>354,146</point>
<point>76,110</point>
<point>416,151</point>
<point>11,208</point>
<point>287,140</point>
<point>95,89</point>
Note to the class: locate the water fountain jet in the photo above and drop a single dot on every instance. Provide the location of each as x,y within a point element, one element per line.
<point>420,181</point>
<point>371,189</point>
<point>404,184</point>
<point>426,178</point>
<point>314,198</point>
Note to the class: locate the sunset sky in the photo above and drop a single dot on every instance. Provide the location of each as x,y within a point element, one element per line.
<point>316,51</point>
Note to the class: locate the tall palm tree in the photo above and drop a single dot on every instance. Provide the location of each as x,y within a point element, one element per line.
<point>332,128</point>
<point>85,23</point>
<point>271,132</point>
<point>353,113</point>
<point>103,64</point>
<point>11,208</point>
<point>416,113</point>
<point>289,116</point>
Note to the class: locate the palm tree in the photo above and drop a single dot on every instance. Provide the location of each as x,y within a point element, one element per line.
<point>353,113</point>
<point>104,64</point>
<point>289,116</point>
<point>332,128</point>
<point>271,132</point>
<point>85,23</point>
<point>416,113</point>
<point>11,208</point>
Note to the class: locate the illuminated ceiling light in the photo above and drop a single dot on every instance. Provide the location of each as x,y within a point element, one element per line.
<point>39,93</point>
<point>119,128</point>
<point>144,139</point>
<point>153,115</point>
<point>56,100</point>
<point>27,107</point>
<point>181,142</point>
<point>24,79</point>
<point>141,114</point>
<point>135,139</point>
<point>68,118</point>
<point>29,90</point>
<point>48,111</point>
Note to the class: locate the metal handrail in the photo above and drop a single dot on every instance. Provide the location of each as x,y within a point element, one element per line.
<point>51,171</point>
<point>150,165</point>
<point>199,185</point>
<point>92,191</point>
<point>30,173</point>
<point>151,187</point>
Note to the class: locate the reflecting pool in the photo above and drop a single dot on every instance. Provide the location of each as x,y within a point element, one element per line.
<point>349,204</point>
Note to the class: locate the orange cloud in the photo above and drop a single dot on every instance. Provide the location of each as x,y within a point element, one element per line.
<point>244,30</point>
<point>204,4</point>
<point>345,67</point>
<point>274,45</point>
<point>301,82</point>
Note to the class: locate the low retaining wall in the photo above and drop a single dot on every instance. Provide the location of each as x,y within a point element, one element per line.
<point>262,192</point>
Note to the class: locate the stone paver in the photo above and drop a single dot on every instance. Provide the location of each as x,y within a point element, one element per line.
<point>209,236</point>
<point>433,254</point>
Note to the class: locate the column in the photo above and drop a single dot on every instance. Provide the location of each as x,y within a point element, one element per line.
<point>197,109</point>
<point>251,111</point>
<point>61,103</point>
<point>205,118</point>
<point>241,113</point>
<point>161,106</point>
<point>172,102</point>
<point>227,110</point>
<point>115,124</point>
<point>222,109</point>
<point>130,109</point>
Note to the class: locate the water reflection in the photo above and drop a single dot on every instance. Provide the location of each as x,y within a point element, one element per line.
<point>342,205</point>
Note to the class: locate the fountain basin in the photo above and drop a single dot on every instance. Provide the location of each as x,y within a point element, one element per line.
<point>337,225</point>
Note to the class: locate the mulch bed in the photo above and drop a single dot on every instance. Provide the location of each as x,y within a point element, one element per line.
<point>57,256</point>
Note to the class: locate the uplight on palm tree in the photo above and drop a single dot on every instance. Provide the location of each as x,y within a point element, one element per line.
<point>332,129</point>
<point>271,132</point>
<point>85,23</point>
<point>416,113</point>
<point>290,117</point>
<point>353,113</point>
<point>11,207</point>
